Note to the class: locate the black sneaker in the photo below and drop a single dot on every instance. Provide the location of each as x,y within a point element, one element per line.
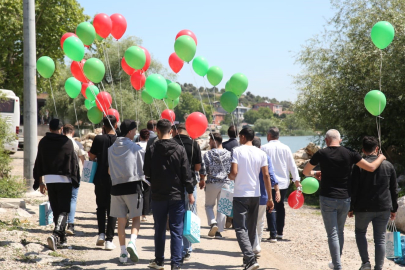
<point>53,242</point>
<point>252,265</point>
<point>213,230</point>
<point>187,257</point>
<point>70,229</point>
<point>218,235</point>
<point>175,267</point>
<point>272,239</point>
<point>156,264</point>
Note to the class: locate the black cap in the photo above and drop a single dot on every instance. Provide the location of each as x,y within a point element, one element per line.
<point>127,126</point>
<point>55,124</point>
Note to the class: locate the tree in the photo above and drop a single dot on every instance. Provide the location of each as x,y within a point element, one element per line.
<point>342,65</point>
<point>189,104</point>
<point>263,125</point>
<point>227,120</point>
<point>53,19</point>
<point>251,116</point>
<point>224,129</point>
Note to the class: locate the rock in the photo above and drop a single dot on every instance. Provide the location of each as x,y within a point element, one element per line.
<point>36,248</point>
<point>311,149</point>
<point>23,213</point>
<point>400,218</point>
<point>91,136</point>
<point>300,154</point>
<point>301,163</point>
<point>12,203</point>
<point>98,131</point>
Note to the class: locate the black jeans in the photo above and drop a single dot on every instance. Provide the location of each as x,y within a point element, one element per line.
<point>276,219</point>
<point>146,200</point>
<point>103,201</point>
<point>59,195</point>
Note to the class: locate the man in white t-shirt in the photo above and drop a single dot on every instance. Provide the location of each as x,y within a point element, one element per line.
<point>283,163</point>
<point>69,131</point>
<point>247,162</point>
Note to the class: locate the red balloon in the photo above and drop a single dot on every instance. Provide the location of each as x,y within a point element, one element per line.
<point>114,112</point>
<point>84,87</point>
<point>169,115</point>
<point>138,79</point>
<point>186,32</point>
<point>102,23</point>
<point>296,199</point>
<point>119,25</point>
<point>64,37</point>
<point>103,101</point>
<point>147,63</point>
<point>128,70</point>
<point>196,124</point>
<point>77,70</point>
<point>175,63</point>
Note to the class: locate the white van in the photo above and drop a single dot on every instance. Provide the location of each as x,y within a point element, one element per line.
<point>10,111</point>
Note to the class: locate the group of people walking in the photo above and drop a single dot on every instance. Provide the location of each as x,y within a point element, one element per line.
<point>161,170</point>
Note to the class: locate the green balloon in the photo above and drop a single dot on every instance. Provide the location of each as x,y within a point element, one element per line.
<point>229,101</point>
<point>135,57</point>
<point>228,86</point>
<point>146,97</point>
<point>310,185</point>
<point>375,102</point>
<point>86,32</point>
<point>89,92</point>
<point>45,66</point>
<point>185,48</point>
<point>94,70</point>
<point>95,115</point>
<point>156,85</point>
<point>215,75</point>
<point>173,90</point>
<point>382,34</point>
<point>98,37</point>
<point>89,104</point>
<point>171,103</point>
<point>239,83</point>
<point>73,87</point>
<point>200,65</point>
<point>73,48</point>
<point>168,81</point>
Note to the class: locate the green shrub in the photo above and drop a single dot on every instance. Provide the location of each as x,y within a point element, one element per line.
<point>12,187</point>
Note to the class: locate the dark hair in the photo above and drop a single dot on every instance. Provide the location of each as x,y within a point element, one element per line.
<point>216,137</point>
<point>68,129</point>
<point>232,132</point>
<point>144,134</point>
<point>248,133</point>
<point>106,122</point>
<point>151,124</point>
<point>257,142</point>
<point>164,126</point>
<point>274,132</point>
<point>370,143</point>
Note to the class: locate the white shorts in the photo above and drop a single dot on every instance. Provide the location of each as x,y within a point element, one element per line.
<point>121,205</point>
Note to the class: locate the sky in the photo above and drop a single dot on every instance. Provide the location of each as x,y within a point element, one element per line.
<point>257,38</point>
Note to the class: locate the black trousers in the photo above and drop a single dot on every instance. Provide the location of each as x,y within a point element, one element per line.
<point>59,195</point>
<point>147,198</point>
<point>276,219</point>
<point>103,201</point>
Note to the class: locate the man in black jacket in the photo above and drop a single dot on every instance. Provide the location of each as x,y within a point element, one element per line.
<point>167,168</point>
<point>232,142</point>
<point>374,199</point>
<point>56,169</point>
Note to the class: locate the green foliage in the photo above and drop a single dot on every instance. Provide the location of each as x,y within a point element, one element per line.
<point>12,187</point>
<point>53,19</point>
<point>227,120</point>
<point>6,136</point>
<point>189,104</point>
<point>341,66</point>
<point>263,125</point>
<point>252,116</point>
<point>224,129</point>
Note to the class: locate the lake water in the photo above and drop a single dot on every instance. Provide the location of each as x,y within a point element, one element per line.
<point>294,142</point>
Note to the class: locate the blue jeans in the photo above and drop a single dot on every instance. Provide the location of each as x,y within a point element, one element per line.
<point>334,213</point>
<point>175,210</point>
<point>187,246</point>
<point>380,221</point>
<point>276,219</point>
<point>73,200</point>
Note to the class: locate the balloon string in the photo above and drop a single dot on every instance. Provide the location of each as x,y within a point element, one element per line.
<point>381,67</point>
<point>136,108</point>
<point>54,103</point>
<point>78,126</point>
<point>198,90</point>
<point>157,110</point>
<point>192,146</point>
<point>107,61</point>
<point>119,72</point>
<point>102,107</point>
<point>233,121</point>
<point>150,109</point>
<point>208,95</point>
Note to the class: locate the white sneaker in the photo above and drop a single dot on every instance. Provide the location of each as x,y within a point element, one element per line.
<point>109,245</point>
<point>100,240</point>
<point>133,254</point>
<point>365,266</point>
<point>331,266</point>
<point>124,258</point>
<point>279,237</point>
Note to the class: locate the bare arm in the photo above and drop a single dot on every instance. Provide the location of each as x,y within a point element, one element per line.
<point>82,159</point>
<point>92,156</point>
<point>234,171</point>
<point>197,167</point>
<point>308,169</point>
<point>371,167</point>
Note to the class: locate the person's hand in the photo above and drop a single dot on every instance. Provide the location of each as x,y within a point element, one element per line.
<point>350,214</point>
<point>297,184</point>
<point>382,156</point>
<point>270,205</point>
<point>42,188</point>
<point>318,175</point>
<point>393,215</point>
<point>202,184</point>
<point>191,199</point>
<point>278,196</point>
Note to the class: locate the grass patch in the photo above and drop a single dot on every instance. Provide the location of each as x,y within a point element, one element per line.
<point>12,187</point>
<point>55,254</point>
<point>14,225</point>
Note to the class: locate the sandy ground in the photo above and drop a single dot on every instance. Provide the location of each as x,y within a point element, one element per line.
<point>305,245</point>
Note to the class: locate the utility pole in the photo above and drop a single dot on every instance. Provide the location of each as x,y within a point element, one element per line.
<point>30,92</point>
